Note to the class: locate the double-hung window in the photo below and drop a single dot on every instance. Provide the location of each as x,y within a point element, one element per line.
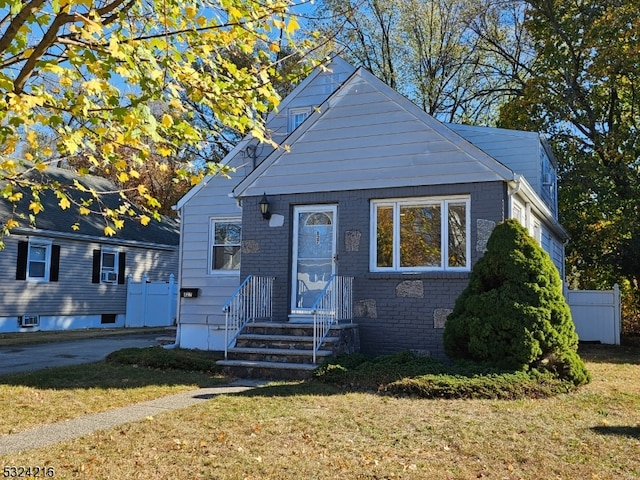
<point>38,260</point>
<point>421,234</point>
<point>226,237</point>
<point>109,266</point>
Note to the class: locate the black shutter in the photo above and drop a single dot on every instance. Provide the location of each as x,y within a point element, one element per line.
<point>21,265</point>
<point>55,263</point>
<point>95,274</point>
<point>121,262</point>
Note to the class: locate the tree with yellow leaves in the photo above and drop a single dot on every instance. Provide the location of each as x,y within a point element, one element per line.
<point>87,73</point>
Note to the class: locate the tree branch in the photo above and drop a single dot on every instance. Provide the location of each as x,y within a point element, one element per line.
<point>17,22</point>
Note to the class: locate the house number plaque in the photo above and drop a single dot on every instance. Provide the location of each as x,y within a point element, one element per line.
<point>189,292</point>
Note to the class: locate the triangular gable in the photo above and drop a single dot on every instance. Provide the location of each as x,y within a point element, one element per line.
<point>366,135</point>
<point>335,63</point>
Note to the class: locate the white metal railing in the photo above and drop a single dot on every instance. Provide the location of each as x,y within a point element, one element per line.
<point>333,304</point>
<point>251,300</point>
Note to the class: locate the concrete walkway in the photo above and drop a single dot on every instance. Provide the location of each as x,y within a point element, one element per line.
<point>45,435</point>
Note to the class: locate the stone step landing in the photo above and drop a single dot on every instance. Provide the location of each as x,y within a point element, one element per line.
<point>283,350</point>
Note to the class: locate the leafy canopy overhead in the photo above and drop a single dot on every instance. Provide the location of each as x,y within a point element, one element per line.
<point>457,59</point>
<point>583,92</point>
<point>92,73</point>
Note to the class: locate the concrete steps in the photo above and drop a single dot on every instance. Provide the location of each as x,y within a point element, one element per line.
<point>283,350</point>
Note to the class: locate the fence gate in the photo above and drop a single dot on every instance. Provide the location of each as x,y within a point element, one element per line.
<point>596,314</point>
<point>151,304</point>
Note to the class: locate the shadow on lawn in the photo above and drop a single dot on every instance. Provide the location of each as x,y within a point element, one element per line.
<point>619,431</point>
<point>620,354</point>
<point>103,375</point>
<point>305,387</point>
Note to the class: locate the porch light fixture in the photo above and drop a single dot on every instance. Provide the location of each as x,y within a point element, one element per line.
<point>264,207</point>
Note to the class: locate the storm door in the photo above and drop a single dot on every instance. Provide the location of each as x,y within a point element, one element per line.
<point>314,254</point>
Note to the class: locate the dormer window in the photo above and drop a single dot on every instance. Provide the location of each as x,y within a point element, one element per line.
<point>297,116</point>
<point>333,80</point>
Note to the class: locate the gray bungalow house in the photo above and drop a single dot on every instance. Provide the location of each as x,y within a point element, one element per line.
<point>55,278</point>
<point>372,213</point>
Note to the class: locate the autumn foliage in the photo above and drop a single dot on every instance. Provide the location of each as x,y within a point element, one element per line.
<point>115,83</point>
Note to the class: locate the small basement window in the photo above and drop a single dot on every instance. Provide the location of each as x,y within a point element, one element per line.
<point>108,318</point>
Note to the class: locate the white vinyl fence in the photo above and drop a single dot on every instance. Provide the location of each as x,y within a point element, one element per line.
<point>596,314</point>
<point>151,304</point>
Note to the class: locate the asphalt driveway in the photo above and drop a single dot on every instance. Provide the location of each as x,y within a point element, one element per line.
<point>25,358</point>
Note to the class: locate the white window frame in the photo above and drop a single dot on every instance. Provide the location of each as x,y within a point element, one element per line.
<point>518,211</point>
<point>108,275</point>
<point>46,244</point>
<point>396,204</point>
<point>332,81</point>
<point>212,244</point>
<point>536,230</point>
<point>297,116</point>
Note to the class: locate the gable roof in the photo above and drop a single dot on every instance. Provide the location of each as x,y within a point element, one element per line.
<point>54,221</point>
<point>336,61</point>
<point>367,135</point>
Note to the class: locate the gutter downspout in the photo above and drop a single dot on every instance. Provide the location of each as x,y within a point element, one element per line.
<point>515,184</point>
<point>514,187</point>
<point>176,344</point>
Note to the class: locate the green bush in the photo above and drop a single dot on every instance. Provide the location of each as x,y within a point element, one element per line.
<point>513,312</point>
<point>424,377</point>
<point>503,386</point>
<point>167,359</point>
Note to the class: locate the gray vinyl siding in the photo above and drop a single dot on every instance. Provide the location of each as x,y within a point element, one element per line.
<point>557,255</point>
<point>308,96</point>
<point>520,151</point>
<point>74,294</point>
<point>400,322</point>
<point>212,201</point>
<point>365,138</point>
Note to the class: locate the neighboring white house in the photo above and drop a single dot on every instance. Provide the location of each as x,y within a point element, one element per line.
<point>360,160</point>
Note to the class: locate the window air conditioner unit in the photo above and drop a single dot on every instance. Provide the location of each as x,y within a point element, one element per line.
<point>29,321</point>
<point>109,277</point>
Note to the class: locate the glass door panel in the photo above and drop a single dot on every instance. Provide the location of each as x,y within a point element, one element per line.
<point>313,254</point>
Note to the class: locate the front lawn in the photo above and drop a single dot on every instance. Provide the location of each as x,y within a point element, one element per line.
<point>320,431</point>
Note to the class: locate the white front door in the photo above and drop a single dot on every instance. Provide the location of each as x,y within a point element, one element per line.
<point>314,251</point>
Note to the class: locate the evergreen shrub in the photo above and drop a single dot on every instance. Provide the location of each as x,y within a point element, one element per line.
<point>513,312</point>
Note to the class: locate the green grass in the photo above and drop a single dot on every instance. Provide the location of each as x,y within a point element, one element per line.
<point>167,359</point>
<point>325,431</point>
<point>131,376</point>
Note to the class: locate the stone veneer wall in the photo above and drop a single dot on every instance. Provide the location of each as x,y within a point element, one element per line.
<point>395,311</point>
